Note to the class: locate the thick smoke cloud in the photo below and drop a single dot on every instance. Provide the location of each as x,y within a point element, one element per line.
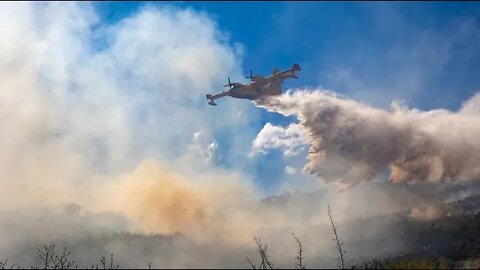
<point>351,142</point>
<point>86,107</point>
<point>82,102</point>
<point>204,206</point>
<point>112,118</point>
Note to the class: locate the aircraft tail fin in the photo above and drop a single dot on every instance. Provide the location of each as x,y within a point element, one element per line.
<point>290,73</point>
<point>295,68</point>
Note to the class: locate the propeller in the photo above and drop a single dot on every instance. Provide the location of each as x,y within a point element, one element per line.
<point>229,84</point>
<point>251,75</point>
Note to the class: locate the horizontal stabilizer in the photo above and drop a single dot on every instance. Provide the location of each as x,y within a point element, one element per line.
<point>211,100</point>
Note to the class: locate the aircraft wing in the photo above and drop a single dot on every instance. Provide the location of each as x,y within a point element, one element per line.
<point>259,79</point>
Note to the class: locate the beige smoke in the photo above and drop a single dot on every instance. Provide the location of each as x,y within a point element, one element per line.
<point>162,202</point>
<point>159,199</point>
<point>76,118</point>
<point>430,212</point>
<point>78,124</point>
<point>352,142</point>
<point>71,118</point>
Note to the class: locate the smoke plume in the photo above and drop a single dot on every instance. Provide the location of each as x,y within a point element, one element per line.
<point>107,145</point>
<point>204,206</point>
<point>351,142</point>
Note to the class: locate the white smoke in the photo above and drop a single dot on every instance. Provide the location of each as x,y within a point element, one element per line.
<point>351,142</point>
<point>289,139</point>
<point>82,101</point>
<point>113,117</point>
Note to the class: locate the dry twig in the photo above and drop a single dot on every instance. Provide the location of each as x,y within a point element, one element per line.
<point>299,257</point>
<point>341,252</point>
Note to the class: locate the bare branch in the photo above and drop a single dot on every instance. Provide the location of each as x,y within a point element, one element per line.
<point>341,252</point>
<point>253,266</point>
<point>62,261</point>
<point>3,265</point>
<point>263,251</point>
<point>111,266</point>
<point>53,261</point>
<point>47,254</point>
<point>299,257</point>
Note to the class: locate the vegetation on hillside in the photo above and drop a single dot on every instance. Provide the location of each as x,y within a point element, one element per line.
<point>450,242</point>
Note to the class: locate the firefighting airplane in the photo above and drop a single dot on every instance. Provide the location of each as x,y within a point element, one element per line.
<point>258,87</point>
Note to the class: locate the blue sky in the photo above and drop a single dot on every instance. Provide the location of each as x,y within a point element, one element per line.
<point>425,53</point>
